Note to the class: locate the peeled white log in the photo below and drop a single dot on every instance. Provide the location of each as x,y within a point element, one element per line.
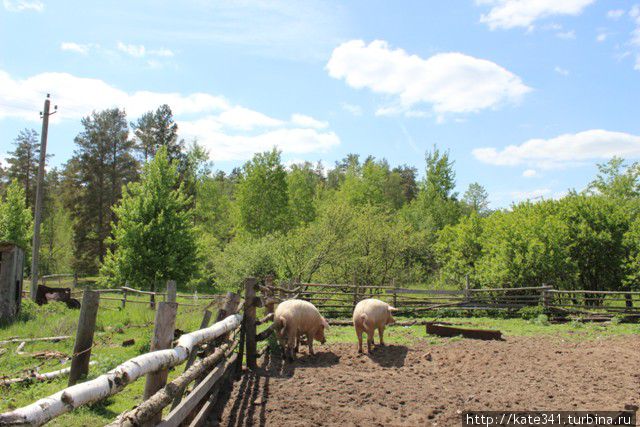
<point>12,340</point>
<point>39,377</point>
<point>115,380</point>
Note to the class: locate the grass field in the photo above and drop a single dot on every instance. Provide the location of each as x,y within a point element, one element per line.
<point>114,326</point>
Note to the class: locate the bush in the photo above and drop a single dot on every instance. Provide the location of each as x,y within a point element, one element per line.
<point>542,320</point>
<point>529,313</point>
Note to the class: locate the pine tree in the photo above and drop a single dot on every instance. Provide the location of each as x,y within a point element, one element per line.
<point>153,238</point>
<point>157,129</point>
<point>23,163</point>
<point>94,176</point>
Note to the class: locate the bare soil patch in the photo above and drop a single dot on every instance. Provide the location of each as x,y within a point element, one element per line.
<point>425,384</point>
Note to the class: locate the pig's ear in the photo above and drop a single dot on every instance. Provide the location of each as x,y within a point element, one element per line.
<point>325,323</point>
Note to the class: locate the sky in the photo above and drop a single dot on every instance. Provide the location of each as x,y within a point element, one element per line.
<point>528,96</point>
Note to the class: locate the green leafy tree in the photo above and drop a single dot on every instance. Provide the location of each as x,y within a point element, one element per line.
<point>596,227</point>
<point>303,183</point>
<point>459,247</point>
<point>153,237</point>
<point>16,222</point>
<point>476,198</point>
<point>262,196</point>
<point>529,246</point>
<point>617,180</point>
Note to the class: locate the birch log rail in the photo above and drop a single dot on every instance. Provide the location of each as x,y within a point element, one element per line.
<point>117,379</point>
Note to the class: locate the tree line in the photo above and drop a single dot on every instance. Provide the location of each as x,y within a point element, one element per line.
<point>136,204</point>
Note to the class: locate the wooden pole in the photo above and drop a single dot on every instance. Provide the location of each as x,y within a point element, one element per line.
<point>35,247</point>
<point>84,336</point>
<point>171,291</point>
<point>467,286</point>
<point>395,293</point>
<point>355,291</point>
<point>124,297</point>
<point>162,337</point>
<point>250,321</point>
<point>75,279</point>
<point>546,296</point>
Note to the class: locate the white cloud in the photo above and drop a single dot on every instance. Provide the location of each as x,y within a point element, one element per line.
<point>82,49</point>
<point>529,173</point>
<point>135,50</point>
<point>245,119</point>
<point>507,14</point>
<point>166,53</point>
<point>561,71</point>
<point>601,37</point>
<point>23,5</point>
<point>450,82</point>
<point>615,13</point>
<point>564,150</point>
<point>230,132</point>
<point>356,110</point>
<point>78,96</point>
<point>539,193</point>
<point>224,146</point>
<point>566,35</point>
<point>308,121</point>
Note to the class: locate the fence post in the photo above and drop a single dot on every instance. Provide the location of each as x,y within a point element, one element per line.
<point>250,321</point>
<point>546,296</point>
<point>162,337</point>
<point>395,292</point>
<point>355,292</point>
<point>75,279</point>
<point>171,291</point>
<point>84,336</point>
<point>467,286</point>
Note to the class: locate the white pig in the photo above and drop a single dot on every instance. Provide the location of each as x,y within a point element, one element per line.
<point>294,318</point>
<point>369,315</point>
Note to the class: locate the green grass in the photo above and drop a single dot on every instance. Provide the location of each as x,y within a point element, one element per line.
<point>406,335</point>
<point>136,322</point>
<point>113,326</point>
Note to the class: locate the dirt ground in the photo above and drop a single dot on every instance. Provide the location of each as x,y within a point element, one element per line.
<point>431,384</point>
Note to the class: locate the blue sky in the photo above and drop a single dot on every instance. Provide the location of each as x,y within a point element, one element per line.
<point>528,95</point>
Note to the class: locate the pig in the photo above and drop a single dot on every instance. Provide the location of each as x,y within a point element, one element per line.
<point>369,315</point>
<point>294,318</point>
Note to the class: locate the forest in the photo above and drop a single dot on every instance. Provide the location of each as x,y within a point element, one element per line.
<point>137,204</point>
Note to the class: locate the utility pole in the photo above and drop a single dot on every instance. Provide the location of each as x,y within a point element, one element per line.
<point>35,254</point>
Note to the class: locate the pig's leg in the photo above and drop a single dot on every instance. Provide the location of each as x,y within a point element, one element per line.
<point>370,340</point>
<point>359,334</point>
<point>381,334</point>
<point>310,341</point>
<point>291,344</point>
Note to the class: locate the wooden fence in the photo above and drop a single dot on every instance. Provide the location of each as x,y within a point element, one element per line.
<point>222,345</point>
<point>338,300</point>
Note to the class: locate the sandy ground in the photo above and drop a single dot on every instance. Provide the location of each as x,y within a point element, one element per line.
<point>430,384</point>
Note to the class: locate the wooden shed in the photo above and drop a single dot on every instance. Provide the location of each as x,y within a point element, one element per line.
<point>11,275</point>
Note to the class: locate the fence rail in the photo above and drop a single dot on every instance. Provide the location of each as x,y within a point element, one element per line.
<point>339,300</point>
<point>153,364</point>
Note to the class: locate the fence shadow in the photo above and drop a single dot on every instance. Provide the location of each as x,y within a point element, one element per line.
<point>276,366</point>
<point>389,356</point>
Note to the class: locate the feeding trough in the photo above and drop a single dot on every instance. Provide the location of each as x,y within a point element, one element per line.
<point>444,330</point>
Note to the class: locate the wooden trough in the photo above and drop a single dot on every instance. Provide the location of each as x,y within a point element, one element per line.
<point>436,328</point>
